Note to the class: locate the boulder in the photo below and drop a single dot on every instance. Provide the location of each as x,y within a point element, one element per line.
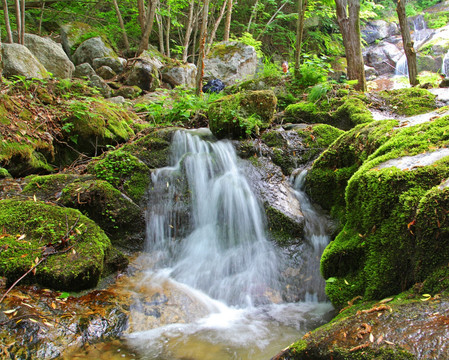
<point>378,30</point>
<point>370,73</point>
<point>115,63</point>
<point>128,92</point>
<point>230,62</point>
<point>179,75</point>
<point>239,115</point>
<point>144,75</point>
<point>91,49</point>
<point>73,34</point>
<point>19,60</point>
<point>97,82</point>
<point>105,72</point>
<point>154,57</point>
<point>383,57</point>
<point>75,259</point>
<point>51,55</point>
<point>84,70</point>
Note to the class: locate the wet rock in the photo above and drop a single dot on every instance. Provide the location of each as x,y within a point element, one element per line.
<point>402,329</point>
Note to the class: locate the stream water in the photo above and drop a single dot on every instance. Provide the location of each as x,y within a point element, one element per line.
<point>212,280</point>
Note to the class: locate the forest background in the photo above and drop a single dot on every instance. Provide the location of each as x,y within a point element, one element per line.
<point>175,26</point>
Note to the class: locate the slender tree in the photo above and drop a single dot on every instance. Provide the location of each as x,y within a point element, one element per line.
<point>302,6</point>
<point>227,28</point>
<point>141,14</point>
<point>7,24</point>
<point>201,52</point>
<point>409,50</point>
<point>22,23</point>
<point>188,33</point>
<point>149,22</point>
<point>122,25</point>
<point>348,18</point>
<point>18,21</point>
<point>216,25</point>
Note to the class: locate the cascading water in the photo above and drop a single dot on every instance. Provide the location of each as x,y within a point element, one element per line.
<point>445,65</point>
<point>207,244</point>
<point>420,34</point>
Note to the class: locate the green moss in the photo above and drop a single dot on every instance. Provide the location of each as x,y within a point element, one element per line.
<point>242,114</point>
<point>409,101</point>
<point>354,112</point>
<point>320,135</point>
<point>123,171</point>
<point>47,187</point>
<point>4,173</point>
<point>32,226</point>
<point>283,228</point>
<point>435,20</point>
<point>116,215</point>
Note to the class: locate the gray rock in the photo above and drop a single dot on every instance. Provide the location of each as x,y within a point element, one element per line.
<point>84,70</point>
<point>180,75</point>
<point>71,35</point>
<point>98,82</point>
<point>370,73</point>
<point>115,63</point>
<point>91,49</point>
<point>51,55</point>
<point>106,72</point>
<point>18,60</point>
<point>129,92</point>
<point>383,57</point>
<point>144,75</point>
<point>230,62</point>
<point>117,100</point>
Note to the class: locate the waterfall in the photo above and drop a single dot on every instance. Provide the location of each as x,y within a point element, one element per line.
<point>420,34</point>
<point>226,254</point>
<point>213,282</point>
<point>445,65</point>
<point>316,231</point>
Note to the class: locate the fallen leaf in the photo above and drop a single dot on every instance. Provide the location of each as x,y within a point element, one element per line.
<point>7,312</point>
<point>21,237</point>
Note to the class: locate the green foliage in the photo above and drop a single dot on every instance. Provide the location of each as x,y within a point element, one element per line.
<point>436,20</point>
<point>318,92</point>
<point>248,39</point>
<point>313,70</point>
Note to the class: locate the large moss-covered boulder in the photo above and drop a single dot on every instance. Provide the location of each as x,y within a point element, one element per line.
<point>120,218</point>
<point>239,115</point>
<point>123,171</point>
<point>409,101</point>
<point>75,249</point>
<point>379,251</point>
<point>93,124</point>
<point>329,175</point>
<point>344,111</point>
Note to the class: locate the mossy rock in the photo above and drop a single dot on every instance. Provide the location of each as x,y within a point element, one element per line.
<point>120,218</point>
<point>379,247</point>
<point>299,145</point>
<point>48,187</point>
<point>283,228</point>
<point>34,229</point>
<point>153,149</point>
<point>409,101</point>
<point>123,171</point>
<point>327,180</point>
<point>96,123</point>
<point>381,331</point>
<point>343,111</point>
<point>243,114</point>
<point>4,173</point>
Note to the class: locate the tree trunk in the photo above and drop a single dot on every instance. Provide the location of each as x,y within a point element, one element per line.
<point>7,24</point>
<point>410,53</point>
<point>195,35</point>
<point>149,21</point>
<point>217,23</point>
<point>302,5</point>
<point>348,18</point>
<point>161,33</point>
<point>167,32</point>
<point>201,52</point>
<point>18,21</point>
<point>141,14</point>
<point>1,58</point>
<point>253,15</point>
<point>227,29</point>
<point>122,25</point>
<point>185,51</point>
<point>22,13</point>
